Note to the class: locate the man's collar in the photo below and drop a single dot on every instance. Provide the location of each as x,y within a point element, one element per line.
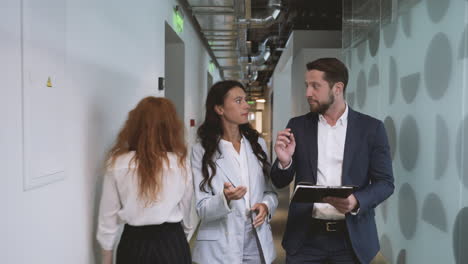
<point>342,120</point>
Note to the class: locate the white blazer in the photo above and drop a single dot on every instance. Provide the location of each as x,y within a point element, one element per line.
<point>221,233</point>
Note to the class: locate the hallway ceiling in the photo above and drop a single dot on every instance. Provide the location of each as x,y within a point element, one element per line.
<point>246,37</point>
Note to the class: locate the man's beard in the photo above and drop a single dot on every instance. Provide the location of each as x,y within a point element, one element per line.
<point>321,108</point>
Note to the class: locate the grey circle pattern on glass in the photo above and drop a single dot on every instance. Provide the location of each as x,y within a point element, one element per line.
<point>350,98</point>
<point>361,89</point>
<point>437,9</point>
<point>462,148</point>
<point>386,8</point>
<point>401,259</point>
<point>389,34</point>
<point>409,143</point>
<point>463,48</point>
<point>373,76</point>
<point>386,248</point>
<point>361,51</point>
<point>407,211</point>
<point>384,208</point>
<point>438,66</point>
<point>409,86</point>
<point>442,144</point>
<point>406,20</point>
<point>374,41</point>
<point>460,237</point>
<point>433,212</point>
<point>391,134</point>
<point>393,81</point>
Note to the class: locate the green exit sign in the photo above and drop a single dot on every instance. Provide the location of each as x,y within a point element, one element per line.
<point>211,67</point>
<point>178,20</point>
<point>251,102</point>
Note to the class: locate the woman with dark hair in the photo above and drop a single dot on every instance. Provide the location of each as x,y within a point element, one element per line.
<point>233,192</point>
<point>147,186</point>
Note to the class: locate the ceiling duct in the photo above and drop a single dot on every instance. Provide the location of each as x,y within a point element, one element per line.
<point>261,56</point>
<point>247,73</point>
<point>264,22</point>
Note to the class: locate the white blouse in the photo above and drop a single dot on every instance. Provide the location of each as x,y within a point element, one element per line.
<point>120,203</point>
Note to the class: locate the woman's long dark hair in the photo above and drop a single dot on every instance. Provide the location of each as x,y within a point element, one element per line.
<point>211,131</point>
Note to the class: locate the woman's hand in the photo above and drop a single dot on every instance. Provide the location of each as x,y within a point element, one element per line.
<point>262,211</point>
<point>232,193</point>
<point>106,256</point>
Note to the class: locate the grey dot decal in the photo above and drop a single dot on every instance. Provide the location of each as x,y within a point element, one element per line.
<point>410,86</point>
<point>349,57</point>
<point>393,81</point>
<point>384,208</point>
<point>409,143</point>
<point>401,259</point>
<point>407,211</point>
<point>374,41</point>
<point>463,48</point>
<point>386,7</point>
<point>438,66</point>
<point>389,34</point>
<point>391,134</point>
<point>361,51</point>
<point>350,99</point>
<point>361,89</point>
<point>462,149</point>
<point>433,212</point>
<point>406,20</point>
<point>437,9</point>
<point>441,156</point>
<point>373,76</point>
<point>460,237</point>
<point>386,248</point>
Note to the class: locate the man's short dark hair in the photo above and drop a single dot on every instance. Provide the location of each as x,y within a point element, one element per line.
<point>334,70</point>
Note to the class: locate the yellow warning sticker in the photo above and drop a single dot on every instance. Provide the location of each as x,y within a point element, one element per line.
<point>49,82</point>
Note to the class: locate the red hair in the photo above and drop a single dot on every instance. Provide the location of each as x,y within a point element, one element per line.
<point>152,130</point>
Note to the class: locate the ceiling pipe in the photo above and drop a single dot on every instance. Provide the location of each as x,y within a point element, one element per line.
<point>249,74</point>
<point>264,22</point>
<point>186,8</point>
<point>262,55</point>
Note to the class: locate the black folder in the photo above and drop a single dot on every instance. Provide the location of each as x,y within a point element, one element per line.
<point>309,193</point>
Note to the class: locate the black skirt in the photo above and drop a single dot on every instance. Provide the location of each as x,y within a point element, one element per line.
<point>165,243</point>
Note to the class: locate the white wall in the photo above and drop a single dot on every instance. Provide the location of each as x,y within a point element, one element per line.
<point>10,117</point>
<point>282,101</point>
<point>304,56</point>
<point>288,78</point>
<point>114,55</point>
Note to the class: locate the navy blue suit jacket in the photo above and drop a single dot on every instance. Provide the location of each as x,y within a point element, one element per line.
<point>366,164</point>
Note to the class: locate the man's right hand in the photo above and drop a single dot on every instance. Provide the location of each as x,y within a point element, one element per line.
<point>285,146</point>
<point>232,193</point>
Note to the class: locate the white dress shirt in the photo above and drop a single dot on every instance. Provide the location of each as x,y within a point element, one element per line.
<point>120,202</point>
<point>330,143</point>
<point>240,159</point>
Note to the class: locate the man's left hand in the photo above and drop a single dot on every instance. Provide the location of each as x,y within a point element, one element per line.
<point>262,211</point>
<point>344,205</point>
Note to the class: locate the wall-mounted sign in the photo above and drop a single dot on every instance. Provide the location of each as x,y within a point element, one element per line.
<point>211,67</point>
<point>178,20</point>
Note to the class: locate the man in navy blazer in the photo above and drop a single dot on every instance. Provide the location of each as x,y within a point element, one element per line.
<point>333,145</point>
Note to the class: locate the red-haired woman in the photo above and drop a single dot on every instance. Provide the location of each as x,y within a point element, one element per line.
<point>147,186</point>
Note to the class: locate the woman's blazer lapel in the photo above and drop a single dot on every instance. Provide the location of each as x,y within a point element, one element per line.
<point>229,169</point>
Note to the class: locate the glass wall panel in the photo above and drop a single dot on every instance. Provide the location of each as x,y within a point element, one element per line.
<point>407,61</point>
